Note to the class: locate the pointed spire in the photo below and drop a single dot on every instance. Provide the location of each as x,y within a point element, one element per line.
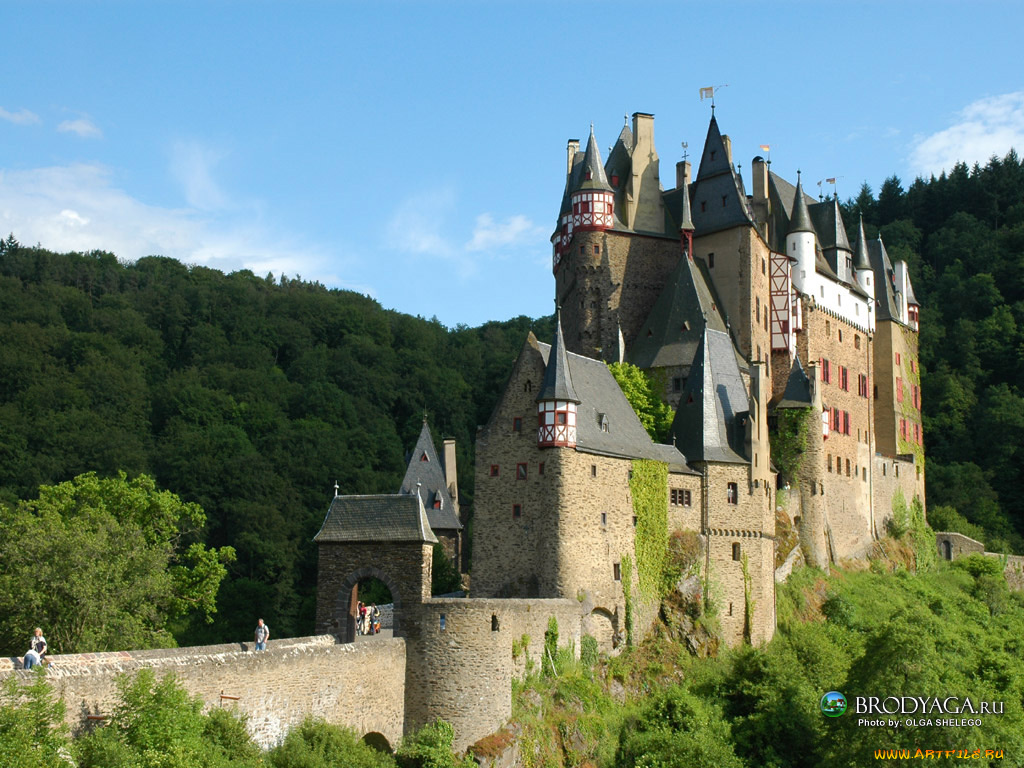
<point>687,225</point>
<point>801,219</point>
<point>593,169</point>
<point>860,249</point>
<point>557,383</point>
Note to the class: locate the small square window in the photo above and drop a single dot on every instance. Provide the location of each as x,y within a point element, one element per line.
<point>520,471</point>
<point>517,511</point>
<point>597,249</point>
<point>494,470</point>
<point>677,384</point>
<point>593,470</point>
<point>560,417</point>
<point>540,468</point>
<point>617,571</point>
<point>517,424</point>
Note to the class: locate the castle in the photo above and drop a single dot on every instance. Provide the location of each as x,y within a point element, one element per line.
<point>750,310</point>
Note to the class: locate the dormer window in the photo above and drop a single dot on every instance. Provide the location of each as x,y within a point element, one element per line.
<point>602,420</point>
<point>590,175</point>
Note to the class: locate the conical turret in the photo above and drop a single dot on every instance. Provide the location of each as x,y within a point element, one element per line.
<point>557,401</point>
<point>593,201</point>
<point>862,264</point>
<point>801,241</point>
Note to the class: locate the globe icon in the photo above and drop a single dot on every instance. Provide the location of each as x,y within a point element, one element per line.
<point>833,704</point>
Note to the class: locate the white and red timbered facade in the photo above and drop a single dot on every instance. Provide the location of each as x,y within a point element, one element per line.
<point>556,424</point>
<point>785,305</point>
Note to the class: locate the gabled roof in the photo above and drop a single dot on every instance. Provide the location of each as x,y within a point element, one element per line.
<point>600,395</point>
<point>674,327</point>
<point>377,518</point>
<point>798,388</point>
<point>557,383</point>
<point>593,168</point>
<point>707,426</point>
<point>426,473</point>
<point>828,223</point>
<point>911,298</point>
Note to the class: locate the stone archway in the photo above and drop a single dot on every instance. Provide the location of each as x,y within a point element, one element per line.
<point>346,598</point>
<point>601,625</point>
<point>378,742</point>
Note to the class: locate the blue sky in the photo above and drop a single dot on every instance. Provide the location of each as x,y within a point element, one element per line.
<point>416,151</point>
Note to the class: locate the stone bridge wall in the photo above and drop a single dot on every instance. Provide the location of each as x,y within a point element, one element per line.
<point>361,685</point>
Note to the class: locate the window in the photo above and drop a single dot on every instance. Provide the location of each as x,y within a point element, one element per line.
<point>757,308</point>
<point>917,434</point>
<point>856,341</point>
<point>736,553</point>
<point>724,199</point>
<point>732,493</point>
<point>845,376</point>
<point>826,370</point>
<point>899,390</point>
<point>847,467</point>
<point>677,384</point>
<point>494,622</point>
<point>617,571</point>
<point>517,511</point>
<point>540,468</point>
<point>898,359</point>
<point>915,395</point>
<point>679,497</point>
<point>764,266</point>
<point>864,474</point>
<point>494,470</point>
<point>597,249</point>
<point>711,261</point>
<point>828,328</point>
<point>517,424</point>
<point>520,471</point>
<point>424,457</point>
<point>561,417</point>
<point>593,470</point>
<point>604,519</point>
<point>703,205</point>
<point>442,622</point>
<point>828,462</point>
<point>903,428</point>
<point>840,335</point>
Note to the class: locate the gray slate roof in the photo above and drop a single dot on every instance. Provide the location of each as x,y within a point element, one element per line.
<point>800,219</point>
<point>860,249</point>
<point>428,475</point>
<point>798,388</point>
<point>717,181</point>
<point>377,518</point>
<point>592,166</point>
<point>599,393</point>
<point>557,383</point>
<point>707,425</point>
<point>885,289</point>
<point>675,325</point>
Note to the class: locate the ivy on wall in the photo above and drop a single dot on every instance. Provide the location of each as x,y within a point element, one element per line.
<point>627,593</point>
<point>648,484</point>
<point>789,441</point>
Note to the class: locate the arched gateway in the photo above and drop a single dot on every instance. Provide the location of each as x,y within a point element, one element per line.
<point>384,536</point>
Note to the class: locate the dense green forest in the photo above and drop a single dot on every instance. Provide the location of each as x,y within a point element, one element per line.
<point>962,235</point>
<point>251,396</point>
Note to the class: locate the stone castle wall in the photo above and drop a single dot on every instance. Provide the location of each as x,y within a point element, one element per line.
<point>359,685</point>
<point>891,474</point>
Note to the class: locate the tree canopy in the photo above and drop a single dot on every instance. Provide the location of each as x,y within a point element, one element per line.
<point>104,564</point>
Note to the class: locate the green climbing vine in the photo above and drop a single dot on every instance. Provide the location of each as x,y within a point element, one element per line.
<point>789,441</point>
<point>648,484</point>
<point>627,593</point>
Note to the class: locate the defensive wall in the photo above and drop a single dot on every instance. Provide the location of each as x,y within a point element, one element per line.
<point>954,545</point>
<point>359,685</point>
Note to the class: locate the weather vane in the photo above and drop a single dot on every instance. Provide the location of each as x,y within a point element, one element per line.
<point>709,93</point>
<point>686,154</point>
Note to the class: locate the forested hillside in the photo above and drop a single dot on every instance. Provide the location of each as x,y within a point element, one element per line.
<point>248,395</point>
<point>962,235</point>
<point>252,396</point>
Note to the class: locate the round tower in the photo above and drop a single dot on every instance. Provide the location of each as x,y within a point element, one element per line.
<point>557,401</point>
<point>801,240</point>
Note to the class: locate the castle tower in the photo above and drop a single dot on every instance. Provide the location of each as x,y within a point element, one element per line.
<point>593,201</point>
<point>801,242</point>
<point>557,400</point>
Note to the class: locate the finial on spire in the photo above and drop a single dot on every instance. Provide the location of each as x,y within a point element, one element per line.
<point>625,118</point>
<point>686,153</point>
<point>336,488</point>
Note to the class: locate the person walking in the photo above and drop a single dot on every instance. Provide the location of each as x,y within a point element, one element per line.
<point>36,649</point>
<point>262,635</point>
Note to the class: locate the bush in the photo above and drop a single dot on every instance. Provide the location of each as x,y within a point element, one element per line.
<point>32,730</point>
<point>431,747</point>
<point>589,652</point>
<point>316,744</point>
<point>547,664</point>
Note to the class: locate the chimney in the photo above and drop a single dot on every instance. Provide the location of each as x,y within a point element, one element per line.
<point>682,174</point>
<point>572,149</point>
<point>451,474</point>
<point>759,180</point>
<point>644,209</point>
<point>727,143</point>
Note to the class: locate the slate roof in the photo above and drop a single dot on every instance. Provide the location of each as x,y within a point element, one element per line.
<point>798,388</point>
<point>599,394</point>
<point>557,384</point>
<point>428,475</point>
<point>674,327</point>
<point>592,166</point>
<point>707,424</point>
<point>885,288</point>
<point>377,518</point>
<point>716,182</point>
<point>828,223</point>
<point>800,218</point>
<point>860,249</point>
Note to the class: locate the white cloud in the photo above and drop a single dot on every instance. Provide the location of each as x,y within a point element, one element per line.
<point>489,235</point>
<point>192,166</point>
<point>83,126</point>
<point>21,117</point>
<point>986,127</point>
<point>77,208</point>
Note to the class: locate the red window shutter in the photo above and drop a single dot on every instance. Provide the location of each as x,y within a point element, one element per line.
<point>821,364</point>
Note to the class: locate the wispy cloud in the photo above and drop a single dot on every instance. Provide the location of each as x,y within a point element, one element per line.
<point>21,117</point>
<point>986,127</point>
<point>81,126</point>
<point>192,166</point>
<point>422,225</point>
<point>77,208</point>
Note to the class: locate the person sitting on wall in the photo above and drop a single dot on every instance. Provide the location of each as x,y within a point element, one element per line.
<point>262,635</point>
<point>36,649</point>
